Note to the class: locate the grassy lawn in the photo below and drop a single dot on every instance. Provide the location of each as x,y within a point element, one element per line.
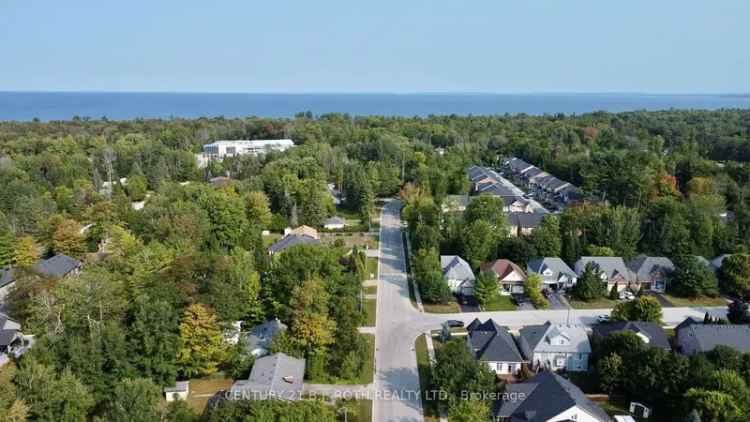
<point>350,239</point>
<point>371,290</point>
<point>368,368</point>
<point>615,407</point>
<point>500,303</point>
<point>203,389</point>
<point>372,268</point>
<point>600,303</point>
<point>442,308</point>
<point>357,410</point>
<point>699,301</point>
<point>429,406</point>
<point>370,308</point>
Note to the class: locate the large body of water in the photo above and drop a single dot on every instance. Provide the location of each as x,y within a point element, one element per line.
<point>47,106</point>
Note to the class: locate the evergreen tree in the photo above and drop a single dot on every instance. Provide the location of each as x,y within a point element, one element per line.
<point>154,339</point>
<point>589,285</point>
<point>7,242</point>
<point>486,287</point>
<point>134,400</point>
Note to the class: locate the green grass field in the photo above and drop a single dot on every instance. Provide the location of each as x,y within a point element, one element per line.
<point>699,301</point>
<point>500,303</point>
<point>430,407</point>
<point>369,307</point>
<point>600,303</point>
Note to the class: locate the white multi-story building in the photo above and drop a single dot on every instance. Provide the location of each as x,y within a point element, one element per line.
<point>221,149</point>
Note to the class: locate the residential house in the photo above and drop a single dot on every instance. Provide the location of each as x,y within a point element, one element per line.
<point>651,272</point>
<point>459,274</point>
<point>302,230</point>
<point>556,346</point>
<point>695,337</point>
<point>547,397</point>
<point>278,376</point>
<point>58,266</point>
<point>510,276</point>
<point>652,334</point>
<point>220,149</point>
<point>13,343</point>
<point>334,223</point>
<point>178,391</point>
<point>524,223</point>
<point>612,270</point>
<point>494,345</point>
<point>290,240</point>
<point>456,203</point>
<point>555,273</point>
<point>517,204</point>
<point>258,340</point>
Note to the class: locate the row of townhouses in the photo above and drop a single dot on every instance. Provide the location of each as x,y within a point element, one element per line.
<point>540,183</point>
<point>649,272</point>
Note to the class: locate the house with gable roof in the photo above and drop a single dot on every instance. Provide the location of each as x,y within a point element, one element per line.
<point>651,272</point>
<point>547,397</point>
<point>493,345</point>
<point>555,273</point>
<point>612,270</point>
<point>510,276</point>
<point>556,346</point>
<point>459,274</point>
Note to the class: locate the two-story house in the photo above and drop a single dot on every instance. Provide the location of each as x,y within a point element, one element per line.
<point>556,346</point>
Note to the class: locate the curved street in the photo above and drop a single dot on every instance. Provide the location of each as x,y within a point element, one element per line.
<point>399,323</point>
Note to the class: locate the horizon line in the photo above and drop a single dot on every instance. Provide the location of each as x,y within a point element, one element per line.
<point>520,93</point>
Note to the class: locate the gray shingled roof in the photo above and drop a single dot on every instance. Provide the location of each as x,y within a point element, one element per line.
<point>261,335</point>
<point>538,338</point>
<point>6,276</point>
<point>709,336</point>
<point>498,189</point>
<point>518,164</point>
<point>276,376</point>
<point>656,335</point>
<point>9,330</point>
<point>645,267</point>
<point>58,266</point>
<point>455,268</point>
<point>543,397</point>
<point>554,264</point>
<point>492,343</point>
<point>610,265</point>
<point>526,220</point>
<point>291,240</point>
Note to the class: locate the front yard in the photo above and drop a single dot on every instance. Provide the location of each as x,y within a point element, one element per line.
<point>692,302</point>
<point>429,406</point>
<point>369,307</point>
<point>600,303</point>
<point>500,303</point>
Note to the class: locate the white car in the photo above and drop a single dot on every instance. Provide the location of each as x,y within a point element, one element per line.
<point>626,295</point>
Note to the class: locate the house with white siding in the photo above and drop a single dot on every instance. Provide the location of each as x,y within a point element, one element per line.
<point>556,346</point>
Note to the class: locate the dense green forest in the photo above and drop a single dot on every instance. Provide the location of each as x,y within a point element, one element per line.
<point>161,283</point>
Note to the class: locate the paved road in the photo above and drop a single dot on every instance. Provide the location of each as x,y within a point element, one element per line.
<point>399,324</point>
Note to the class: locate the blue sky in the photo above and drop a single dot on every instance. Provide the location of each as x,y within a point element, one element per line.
<point>503,46</point>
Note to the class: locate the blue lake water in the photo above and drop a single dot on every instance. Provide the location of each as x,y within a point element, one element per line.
<point>47,106</point>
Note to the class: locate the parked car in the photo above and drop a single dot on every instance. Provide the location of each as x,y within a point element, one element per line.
<point>602,319</point>
<point>454,323</point>
<point>627,295</point>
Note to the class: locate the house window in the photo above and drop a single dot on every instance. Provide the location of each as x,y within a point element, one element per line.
<point>560,361</point>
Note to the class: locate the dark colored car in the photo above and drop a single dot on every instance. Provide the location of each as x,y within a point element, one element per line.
<point>454,323</point>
